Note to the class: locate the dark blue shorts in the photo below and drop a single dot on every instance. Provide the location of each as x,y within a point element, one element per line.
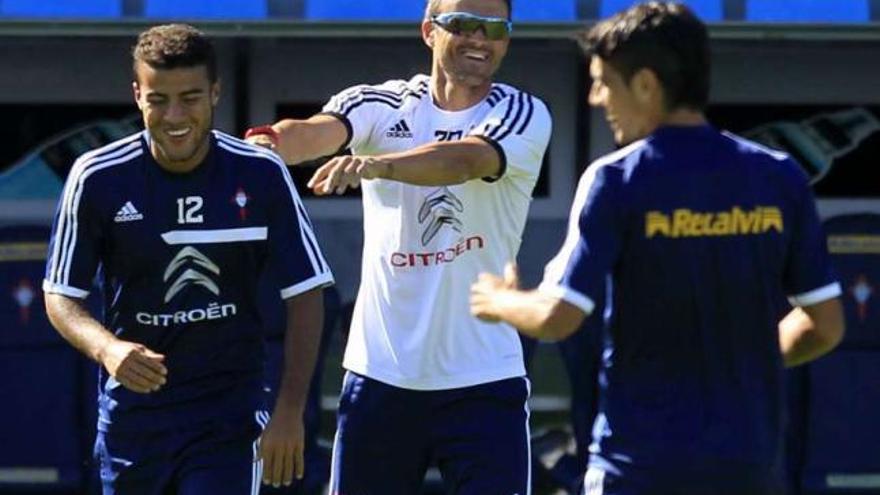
<point>387,437</point>
<point>719,481</point>
<point>215,458</point>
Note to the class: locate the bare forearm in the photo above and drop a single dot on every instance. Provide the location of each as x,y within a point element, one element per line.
<point>77,326</point>
<point>441,164</point>
<point>306,140</point>
<point>305,315</point>
<point>802,340</point>
<point>535,314</point>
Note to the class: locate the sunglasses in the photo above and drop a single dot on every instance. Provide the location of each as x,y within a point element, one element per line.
<point>458,23</point>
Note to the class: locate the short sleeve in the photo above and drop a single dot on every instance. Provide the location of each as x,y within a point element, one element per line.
<point>519,128</point>
<point>361,107</point>
<point>75,241</point>
<point>577,274</point>
<point>808,277</point>
<point>294,254</point>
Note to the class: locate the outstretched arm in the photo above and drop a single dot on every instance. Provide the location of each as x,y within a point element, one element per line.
<point>298,141</point>
<point>533,313</point>
<point>433,164</point>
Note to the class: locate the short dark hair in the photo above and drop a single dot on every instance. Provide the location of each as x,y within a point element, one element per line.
<point>174,46</point>
<point>433,7</point>
<point>665,37</point>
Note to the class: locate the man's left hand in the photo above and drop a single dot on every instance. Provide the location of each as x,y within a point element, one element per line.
<point>345,172</point>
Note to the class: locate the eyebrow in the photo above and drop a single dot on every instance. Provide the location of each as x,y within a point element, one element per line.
<point>191,92</point>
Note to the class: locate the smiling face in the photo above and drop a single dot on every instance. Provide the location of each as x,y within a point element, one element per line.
<point>633,108</point>
<point>178,110</point>
<point>468,59</point>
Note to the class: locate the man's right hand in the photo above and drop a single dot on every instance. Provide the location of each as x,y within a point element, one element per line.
<point>134,366</point>
<point>263,135</point>
<point>261,140</point>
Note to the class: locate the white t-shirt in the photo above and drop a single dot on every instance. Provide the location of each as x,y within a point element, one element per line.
<point>425,246</point>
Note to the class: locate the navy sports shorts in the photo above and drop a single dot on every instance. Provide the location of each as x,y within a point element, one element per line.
<point>718,481</point>
<point>387,437</point>
<point>214,458</point>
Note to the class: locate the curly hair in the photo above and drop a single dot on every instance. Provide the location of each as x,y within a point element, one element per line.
<point>173,46</point>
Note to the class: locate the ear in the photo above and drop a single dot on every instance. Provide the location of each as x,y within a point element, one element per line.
<point>136,91</point>
<point>215,93</point>
<point>646,86</point>
<point>428,33</point>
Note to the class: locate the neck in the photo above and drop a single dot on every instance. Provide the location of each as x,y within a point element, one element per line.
<point>684,117</point>
<point>453,95</point>
<point>180,166</point>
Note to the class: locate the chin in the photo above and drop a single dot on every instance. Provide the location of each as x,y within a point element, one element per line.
<point>472,79</point>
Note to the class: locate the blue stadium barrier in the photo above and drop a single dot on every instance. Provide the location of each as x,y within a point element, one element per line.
<point>22,266</point>
<point>50,422</point>
<point>61,8</point>
<point>842,435</point>
<point>854,244</point>
<point>206,9</point>
<point>388,10</point>
<point>707,10</point>
<point>42,447</point>
<point>807,11</point>
<point>843,445</point>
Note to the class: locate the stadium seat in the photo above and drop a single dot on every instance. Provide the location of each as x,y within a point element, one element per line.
<point>206,9</point>
<point>807,11</point>
<point>389,10</point>
<point>408,10</point>
<point>843,435</point>
<point>62,8</point>
<point>707,10</point>
<point>544,10</point>
<point>854,244</point>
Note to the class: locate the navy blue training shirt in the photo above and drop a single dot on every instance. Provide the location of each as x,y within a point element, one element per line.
<point>699,235</point>
<point>180,257</point>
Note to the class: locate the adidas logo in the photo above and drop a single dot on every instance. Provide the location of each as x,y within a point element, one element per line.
<point>128,213</point>
<point>400,130</point>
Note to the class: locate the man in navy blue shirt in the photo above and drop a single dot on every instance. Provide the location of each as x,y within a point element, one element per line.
<point>697,235</point>
<point>182,221</point>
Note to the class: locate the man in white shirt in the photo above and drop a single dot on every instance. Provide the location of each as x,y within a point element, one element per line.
<point>447,163</point>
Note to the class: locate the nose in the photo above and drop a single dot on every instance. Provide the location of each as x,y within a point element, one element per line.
<point>175,112</point>
<point>596,96</point>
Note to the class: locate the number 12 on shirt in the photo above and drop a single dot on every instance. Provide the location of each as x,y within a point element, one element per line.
<point>188,209</point>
